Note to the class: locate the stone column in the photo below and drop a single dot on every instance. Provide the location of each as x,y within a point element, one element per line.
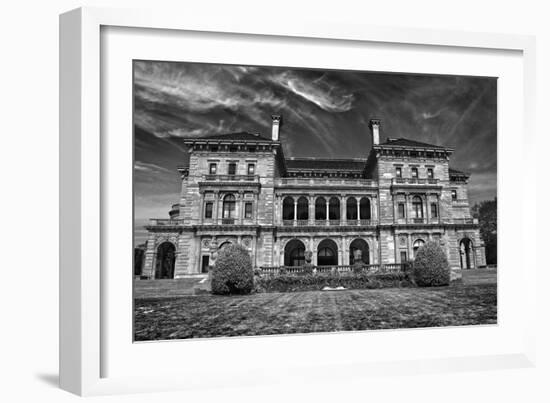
<point>149,261</point>
<point>327,204</point>
<point>311,210</point>
<point>428,212</point>
<point>344,206</point>
<point>216,206</point>
<point>407,208</point>
<point>240,207</point>
<point>201,208</point>
<point>342,209</point>
<point>358,200</point>
<point>295,210</point>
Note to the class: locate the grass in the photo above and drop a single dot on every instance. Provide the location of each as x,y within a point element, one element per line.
<point>471,303</point>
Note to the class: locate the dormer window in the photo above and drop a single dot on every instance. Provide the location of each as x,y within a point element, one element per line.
<point>213,168</point>
<point>414,173</point>
<point>232,168</point>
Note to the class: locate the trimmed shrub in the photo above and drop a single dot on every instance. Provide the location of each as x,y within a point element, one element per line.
<point>430,267</point>
<point>316,282</point>
<point>233,272</point>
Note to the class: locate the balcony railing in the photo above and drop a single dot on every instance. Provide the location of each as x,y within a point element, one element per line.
<point>231,178</point>
<point>228,221</point>
<point>325,181</point>
<point>331,223</point>
<point>465,221</point>
<point>300,270</point>
<point>415,181</point>
<point>165,221</point>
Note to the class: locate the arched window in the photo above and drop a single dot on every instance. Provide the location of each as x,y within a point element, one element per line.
<point>303,208</point>
<point>320,208</point>
<point>228,206</point>
<point>417,207</point>
<point>334,209</point>
<point>364,209</point>
<point>351,208</point>
<point>288,208</point>
<point>417,245</point>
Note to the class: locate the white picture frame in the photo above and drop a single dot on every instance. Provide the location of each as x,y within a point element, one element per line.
<point>83,306</point>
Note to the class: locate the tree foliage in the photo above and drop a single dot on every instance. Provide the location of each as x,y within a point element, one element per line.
<point>233,272</point>
<point>430,267</point>
<point>486,212</point>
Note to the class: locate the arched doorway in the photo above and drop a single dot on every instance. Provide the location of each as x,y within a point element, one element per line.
<point>327,253</point>
<point>295,253</point>
<point>166,261</point>
<point>466,254</point>
<point>417,245</point>
<point>363,246</point>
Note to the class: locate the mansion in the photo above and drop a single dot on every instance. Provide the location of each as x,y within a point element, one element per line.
<point>240,188</point>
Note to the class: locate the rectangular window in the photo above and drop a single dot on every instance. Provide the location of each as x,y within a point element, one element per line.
<point>430,173</point>
<point>398,173</point>
<point>453,194</point>
<point>434,210</point>
<point>213,169</point>
<point>403,256</point>
<point>414,172</point>
<point>232,168</point>
<point>251,168</point>
<point>208,210</point>
<point>248,210</point>
<point>401,210</point>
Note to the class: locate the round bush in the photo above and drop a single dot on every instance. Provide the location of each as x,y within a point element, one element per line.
<point>232,273</point>
<point>430,267</point>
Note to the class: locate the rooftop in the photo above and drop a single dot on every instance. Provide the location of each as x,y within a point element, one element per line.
<point>320,164</point>
<point>238,136</point>
<point>408,143</point>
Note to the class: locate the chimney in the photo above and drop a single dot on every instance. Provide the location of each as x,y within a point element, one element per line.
<point>275,127</point>
<point>374,125</point>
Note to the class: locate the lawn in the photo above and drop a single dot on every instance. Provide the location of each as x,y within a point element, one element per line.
<point>471,303</point>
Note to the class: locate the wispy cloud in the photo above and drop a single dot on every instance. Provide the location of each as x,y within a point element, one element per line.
<point>149,168</point>
<point>320,91</point>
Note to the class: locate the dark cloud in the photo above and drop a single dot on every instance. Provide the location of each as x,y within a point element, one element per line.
<point>325,114</point>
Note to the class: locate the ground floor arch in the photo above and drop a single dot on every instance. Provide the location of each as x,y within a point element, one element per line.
<point>165,261</point>
<point>327,253</point>
<point>295,253</point>
<point>467,260</point>
<point>359,244</point>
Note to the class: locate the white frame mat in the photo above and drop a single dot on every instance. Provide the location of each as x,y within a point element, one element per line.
<point>93,348</point>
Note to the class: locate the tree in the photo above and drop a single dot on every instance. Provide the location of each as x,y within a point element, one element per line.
<point>232,273</point>
<point>430,267</point>
<point>486,212</point>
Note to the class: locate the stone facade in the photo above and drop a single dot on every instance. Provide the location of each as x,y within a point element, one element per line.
<point>240,188</point>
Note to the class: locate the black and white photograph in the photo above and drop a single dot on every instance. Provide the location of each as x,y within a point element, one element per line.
<point>272,200</point>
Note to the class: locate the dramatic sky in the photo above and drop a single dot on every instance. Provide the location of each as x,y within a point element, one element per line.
<point>325,114</point>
